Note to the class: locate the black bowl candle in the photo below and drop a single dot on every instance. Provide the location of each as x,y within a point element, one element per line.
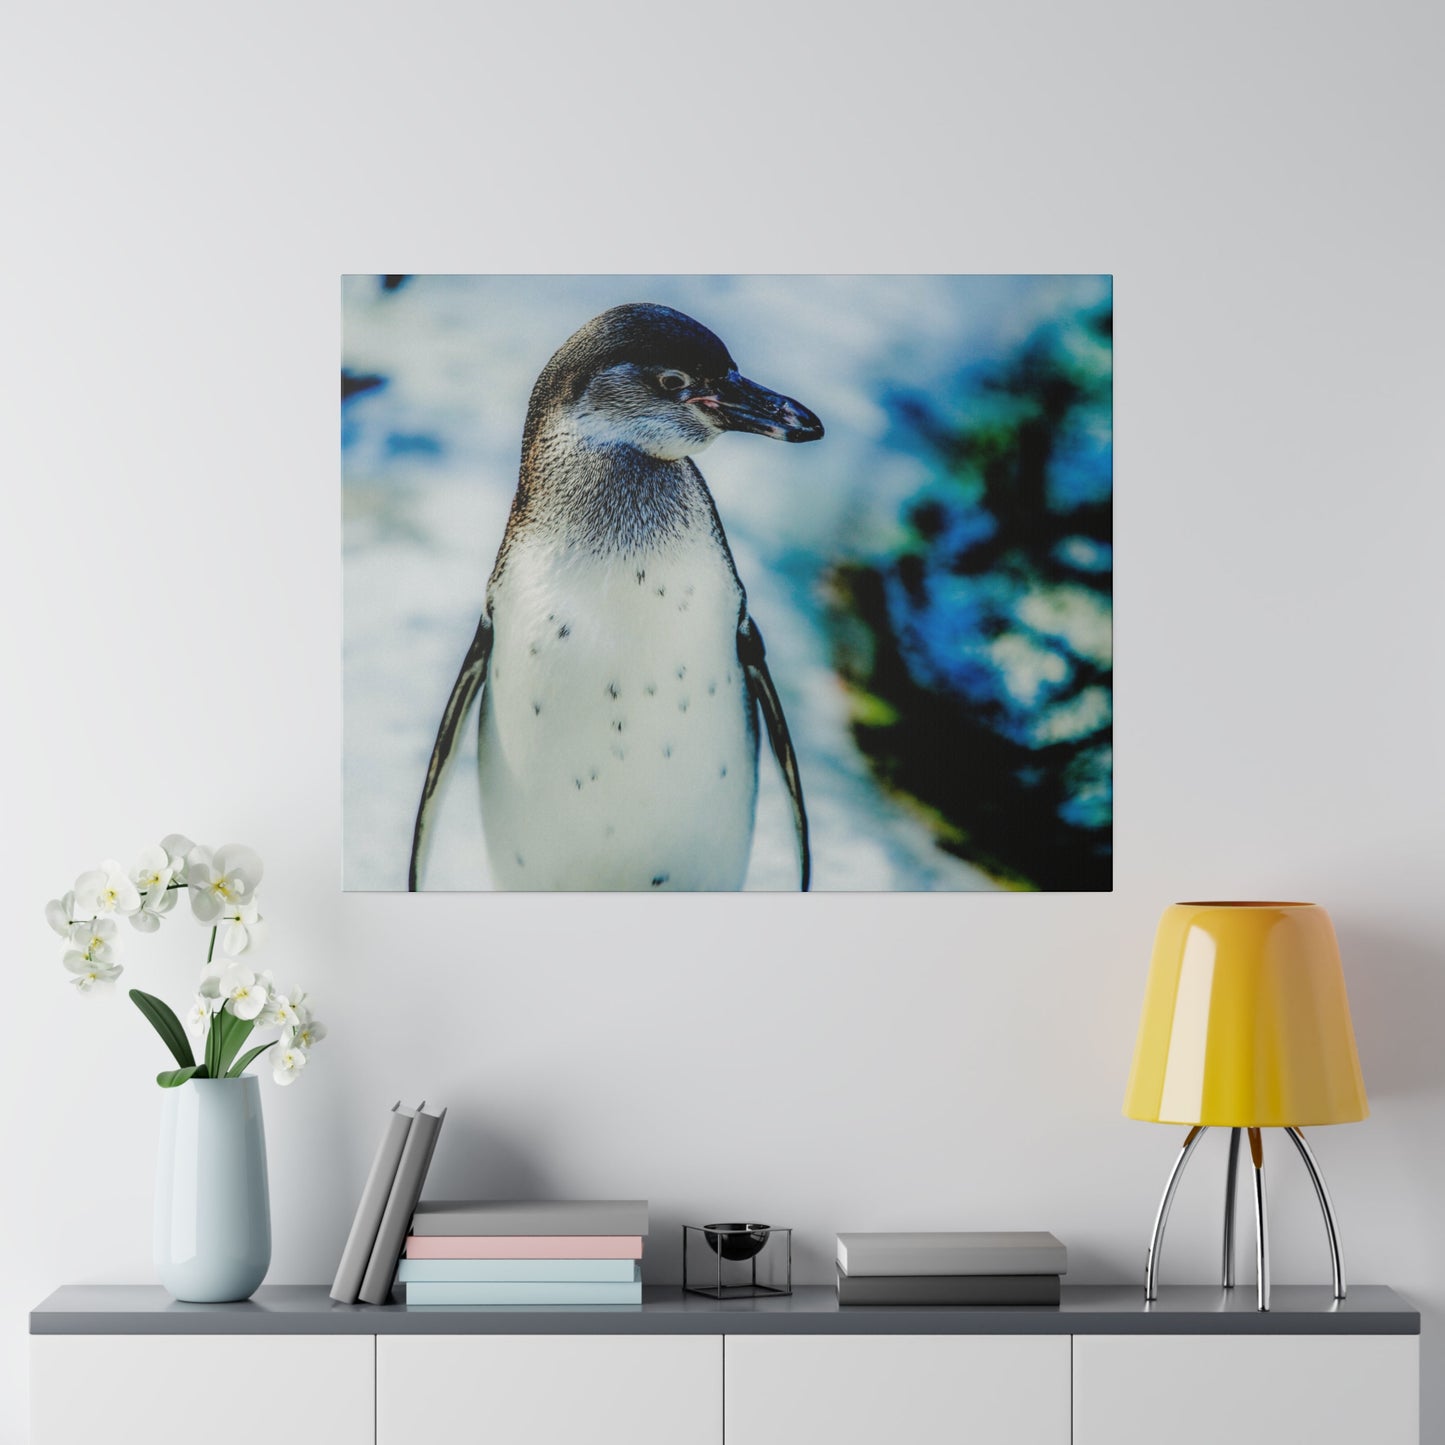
<point>736,1241</point>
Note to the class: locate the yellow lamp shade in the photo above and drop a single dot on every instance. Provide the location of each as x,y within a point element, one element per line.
<point>1246,1023</point>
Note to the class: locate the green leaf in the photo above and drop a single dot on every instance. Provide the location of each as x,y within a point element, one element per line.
<point>172,1078</point>
<point>249,1058</point>
<point>166,1024</point>
<point>213,1043</point>
<point>234,1032</point>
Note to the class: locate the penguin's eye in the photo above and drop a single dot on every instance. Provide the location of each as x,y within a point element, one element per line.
<point>671,381</point>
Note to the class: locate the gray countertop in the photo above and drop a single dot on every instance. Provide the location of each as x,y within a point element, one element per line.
<point>1086,1310</point>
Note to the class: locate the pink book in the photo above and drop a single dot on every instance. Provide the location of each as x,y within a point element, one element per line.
<point>524,1246</point>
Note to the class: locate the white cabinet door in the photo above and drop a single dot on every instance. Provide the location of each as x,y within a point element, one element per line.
<point>1246,1390</point>
<point>549,1390</point>
<point>897,1389</point>
<point>219,1389</point>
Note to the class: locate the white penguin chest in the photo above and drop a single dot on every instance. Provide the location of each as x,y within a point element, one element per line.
<point>618,741</point>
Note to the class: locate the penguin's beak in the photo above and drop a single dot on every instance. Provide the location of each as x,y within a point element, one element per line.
<point>742,405</point>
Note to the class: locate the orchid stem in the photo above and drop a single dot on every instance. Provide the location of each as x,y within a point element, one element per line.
<point>210,952</point>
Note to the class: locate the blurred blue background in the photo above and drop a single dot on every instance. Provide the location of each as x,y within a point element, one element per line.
<point>933,579</point>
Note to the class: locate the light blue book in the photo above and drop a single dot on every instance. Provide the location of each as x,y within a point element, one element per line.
<point>519,1271</point>
<point>556,1292</point>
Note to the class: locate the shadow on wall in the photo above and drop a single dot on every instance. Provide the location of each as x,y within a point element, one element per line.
<point>477,1160</point>
<point>1397,998</point>
<point>1090,1263</point>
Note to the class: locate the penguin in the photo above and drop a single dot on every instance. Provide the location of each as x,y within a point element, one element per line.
<point>621,675</point>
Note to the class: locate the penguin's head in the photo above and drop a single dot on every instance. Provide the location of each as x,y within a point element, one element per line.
<point>651,378</point>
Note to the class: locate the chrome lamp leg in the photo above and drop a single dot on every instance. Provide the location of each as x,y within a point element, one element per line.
<point>1261,1219</point>
<point>1332,1231</point>
<point>1261,1212</point>
<point>1230,1179</point>
<point>1156,1239</point>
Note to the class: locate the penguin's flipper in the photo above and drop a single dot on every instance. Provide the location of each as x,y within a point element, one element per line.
<point>459,704</point>
<point>760,684</point>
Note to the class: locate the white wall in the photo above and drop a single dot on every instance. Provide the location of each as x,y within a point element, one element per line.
<point>182,185</point>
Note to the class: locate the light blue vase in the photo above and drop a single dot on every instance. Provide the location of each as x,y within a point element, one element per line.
<point>213,1210</point>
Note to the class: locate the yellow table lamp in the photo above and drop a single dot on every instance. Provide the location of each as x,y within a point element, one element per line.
<point>1246,1026</point>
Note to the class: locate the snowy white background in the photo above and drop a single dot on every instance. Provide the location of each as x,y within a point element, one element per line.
<point>185,183</point>
<point>430,464</point>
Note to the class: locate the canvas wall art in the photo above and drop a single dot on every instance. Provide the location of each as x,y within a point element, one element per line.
<point>709,583</point>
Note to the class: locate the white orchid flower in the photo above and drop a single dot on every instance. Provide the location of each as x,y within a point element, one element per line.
<point>178,848</point>
<point>278,1011</point>
<point>198,1018</point>
<point>308,1034</point>
<point>75,905</point>
<point>199,873</point>
<point>244,993</point>
<point>59,912</point>
<point>153,871</point>
<point>88,972</point>
<point>105,890</point>
<point>226,880</point>
<point>157,904</point>
<point>221,886</point>
<point>152,877</point>
<point>243,930</point>
<point>286,1063</point>
<point>95,938</point>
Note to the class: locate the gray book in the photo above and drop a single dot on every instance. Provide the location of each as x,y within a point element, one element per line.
<point>356,1254</point>
<point>957,1252</point>
<point>531,1217</point>
<point>948,1289</point>
<point>421,1140</point>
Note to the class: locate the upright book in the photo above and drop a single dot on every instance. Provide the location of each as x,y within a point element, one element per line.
<point>955,1252</point>
<point>401,1204</point>
<point>356,1254</point>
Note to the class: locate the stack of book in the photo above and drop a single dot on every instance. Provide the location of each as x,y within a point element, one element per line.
<point>388,1201</point>
<point>961,1268</point>
<point>490,1252</point>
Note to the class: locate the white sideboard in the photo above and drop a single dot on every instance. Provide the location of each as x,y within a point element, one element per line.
<point>220,1389</point>
<point>919,1389</point>
<point>128,1366</point>
<point>1205,1389</point>
<point>628,1389</point>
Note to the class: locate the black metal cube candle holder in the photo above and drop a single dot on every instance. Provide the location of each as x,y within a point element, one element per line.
<point>737,1261</point>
